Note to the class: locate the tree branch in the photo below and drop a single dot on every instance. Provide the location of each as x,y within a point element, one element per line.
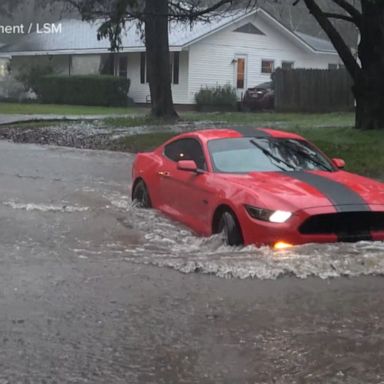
<point>351,10</point>
<point>341,47</point>
<point>338,16</point>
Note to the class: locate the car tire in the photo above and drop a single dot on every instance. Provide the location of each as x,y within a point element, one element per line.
<point>140,195</point>
<point>230,229</point>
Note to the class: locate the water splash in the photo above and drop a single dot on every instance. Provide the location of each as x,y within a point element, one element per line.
<point>45,207</point>
<point>168,244</point>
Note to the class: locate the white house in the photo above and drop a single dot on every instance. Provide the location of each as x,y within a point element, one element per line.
<point>240,49</point>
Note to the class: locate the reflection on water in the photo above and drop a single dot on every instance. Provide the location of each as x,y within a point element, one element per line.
<point>166,243</point>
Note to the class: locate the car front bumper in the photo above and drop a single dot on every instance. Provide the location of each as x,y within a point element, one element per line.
<point>265,233</point>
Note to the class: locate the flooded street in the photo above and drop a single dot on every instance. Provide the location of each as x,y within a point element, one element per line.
<point>93,290</point>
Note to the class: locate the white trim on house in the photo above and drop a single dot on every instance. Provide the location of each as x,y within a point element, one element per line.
<point>81,52</point>
<point>221,27</point>
<point>265,14</point>
<point>288,31</point>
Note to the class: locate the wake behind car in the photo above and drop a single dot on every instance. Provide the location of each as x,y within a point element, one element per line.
<point>258,186</point>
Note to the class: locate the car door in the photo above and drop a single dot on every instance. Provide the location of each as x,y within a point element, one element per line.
<point>185,194</point>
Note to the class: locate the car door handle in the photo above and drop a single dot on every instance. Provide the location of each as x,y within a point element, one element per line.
<point>164,173</point>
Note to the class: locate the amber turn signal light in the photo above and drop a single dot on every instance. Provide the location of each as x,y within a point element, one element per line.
<point>281,245</point>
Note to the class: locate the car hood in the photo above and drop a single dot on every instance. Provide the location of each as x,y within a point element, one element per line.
<point>310,189</point>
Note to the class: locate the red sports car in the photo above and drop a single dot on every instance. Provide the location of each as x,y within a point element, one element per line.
<point>258,186</point>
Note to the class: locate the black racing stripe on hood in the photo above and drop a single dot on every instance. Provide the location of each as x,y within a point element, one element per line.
<point>251,132</point>
<point>343,198</point>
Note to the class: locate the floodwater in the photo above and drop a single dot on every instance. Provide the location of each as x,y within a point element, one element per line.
<point>94,187</point>
<point>95,290</point>
<point>165,243</point>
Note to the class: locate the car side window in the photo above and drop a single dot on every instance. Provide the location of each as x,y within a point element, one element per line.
<point>186,149</point>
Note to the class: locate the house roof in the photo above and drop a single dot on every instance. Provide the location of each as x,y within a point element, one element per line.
<point>317,43</point>
<point>79,37</point>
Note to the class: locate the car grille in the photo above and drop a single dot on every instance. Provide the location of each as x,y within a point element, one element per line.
<point>348,226</point>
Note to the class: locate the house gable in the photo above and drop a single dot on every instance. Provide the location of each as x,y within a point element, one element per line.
<point>249,28</point>
<point>213,60</point>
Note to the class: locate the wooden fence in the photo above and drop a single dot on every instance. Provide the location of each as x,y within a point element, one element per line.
<point>312,90</point>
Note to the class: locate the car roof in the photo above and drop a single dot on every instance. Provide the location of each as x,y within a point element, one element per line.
<point>222,133</point>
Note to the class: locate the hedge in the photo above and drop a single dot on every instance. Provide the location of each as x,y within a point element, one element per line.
<point>103,90</point>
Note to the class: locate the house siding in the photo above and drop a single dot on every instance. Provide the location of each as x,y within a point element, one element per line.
<point>139,92</point>
<point>86,64</point>
<point>211,59</point>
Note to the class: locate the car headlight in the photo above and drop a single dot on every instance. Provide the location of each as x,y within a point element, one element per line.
<point>268,214</point>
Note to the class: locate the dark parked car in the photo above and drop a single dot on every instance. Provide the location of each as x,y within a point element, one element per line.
<point>260,97</point>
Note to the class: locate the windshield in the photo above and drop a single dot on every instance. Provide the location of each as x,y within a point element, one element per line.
<point>267,154</point>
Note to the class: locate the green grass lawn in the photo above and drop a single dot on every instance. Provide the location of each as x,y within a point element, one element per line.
<point>333,133</point>
<point>53,109</point>
<point>276,120</point>
<point>362,151</point>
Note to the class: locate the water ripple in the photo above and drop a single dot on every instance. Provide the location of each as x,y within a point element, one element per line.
<point>169,244</point>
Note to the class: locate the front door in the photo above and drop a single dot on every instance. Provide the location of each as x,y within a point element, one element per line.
<point>240,75</point>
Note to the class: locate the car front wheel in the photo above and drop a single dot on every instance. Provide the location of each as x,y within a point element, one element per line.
<point>230,229</point>
<point>140,195</point>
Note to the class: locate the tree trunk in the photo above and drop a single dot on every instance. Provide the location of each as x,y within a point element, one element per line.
<point>158,58</point>
<point>369,96</point>
<point>369,86</point>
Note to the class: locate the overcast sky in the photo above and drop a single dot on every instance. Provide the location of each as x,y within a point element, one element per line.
<point>296,18</point>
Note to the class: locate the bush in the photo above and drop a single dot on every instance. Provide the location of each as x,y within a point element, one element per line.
<point>218,97</point>
<point>98,90</point>
<point>31,76</point>
<point>13,90</point>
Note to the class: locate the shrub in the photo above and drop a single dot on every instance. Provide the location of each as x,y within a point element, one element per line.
<point>31,76</point>
<point>99,90</point>
<point>13,90</point>
<point>220,97</point>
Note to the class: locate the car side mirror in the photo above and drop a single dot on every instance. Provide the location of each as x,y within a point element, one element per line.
<point>187,165</point>
<point>339,163</point>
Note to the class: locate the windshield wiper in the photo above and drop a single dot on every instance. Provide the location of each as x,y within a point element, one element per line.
<point>272,156</point>
<point>314,159</point>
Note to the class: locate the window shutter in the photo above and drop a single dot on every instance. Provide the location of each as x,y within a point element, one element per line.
<point>176,67</point>
<point>142,68</point>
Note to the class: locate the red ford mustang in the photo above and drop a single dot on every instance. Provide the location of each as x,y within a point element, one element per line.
<point>258,186</point>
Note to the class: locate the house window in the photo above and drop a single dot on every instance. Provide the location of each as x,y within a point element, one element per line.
<point>123,66</point>
<point>174,68</point>
<point>287,64</point>
<point>267,66</point>
<point>240,78</point>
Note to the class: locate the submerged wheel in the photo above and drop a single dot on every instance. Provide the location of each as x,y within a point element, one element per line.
<point>140,195</point>
<point>230,229</point>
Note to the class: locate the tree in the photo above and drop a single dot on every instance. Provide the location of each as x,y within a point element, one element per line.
<point>367,68</point>
<point>152,17</point>
<point>6,7</point>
